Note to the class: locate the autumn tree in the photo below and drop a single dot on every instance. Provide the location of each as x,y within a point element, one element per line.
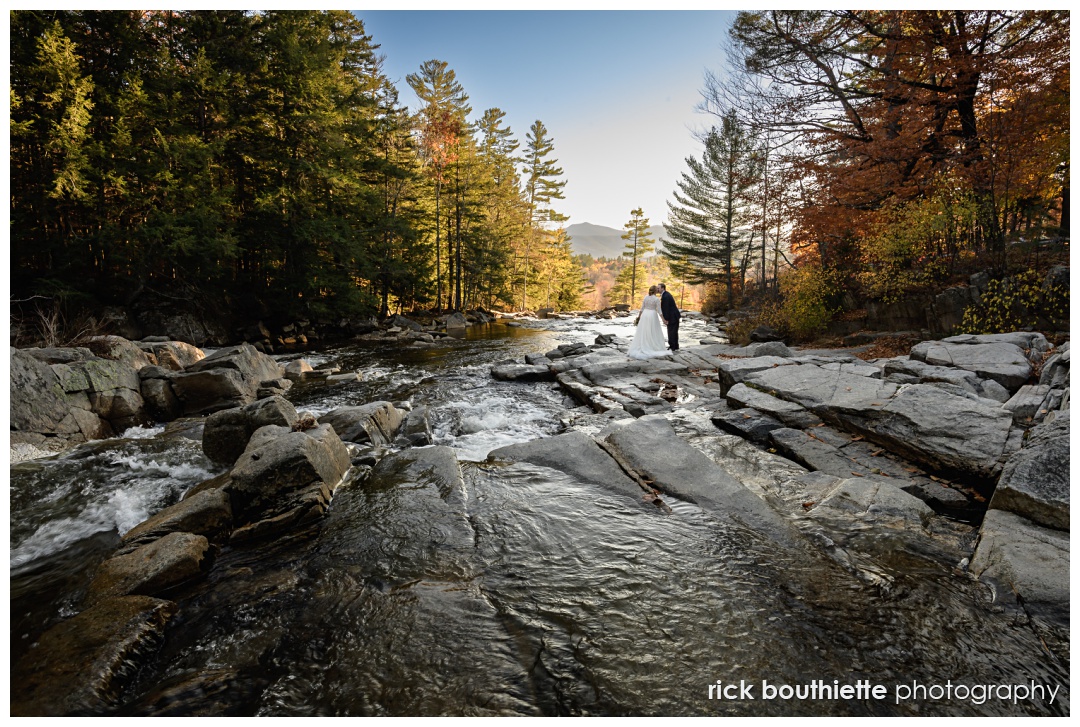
<point>887,102</point>
<point>442,124</point>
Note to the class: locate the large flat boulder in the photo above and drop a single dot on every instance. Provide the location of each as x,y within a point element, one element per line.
<point>944,431</point>
<point>575,454</point>
<point>822,391</point>
<point>652,448</point>
<point>791,414</point>
<point>522,372</point>
<point>1001,361</point>
<point>921,422</point>
<point>1034,482</point>
<point>80,665</point>
<point>734,371</point>
<point>231,374</point>
<point>1027,564</point>
<point>872,499</point>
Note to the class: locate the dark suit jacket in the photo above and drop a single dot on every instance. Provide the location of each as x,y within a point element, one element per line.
<point>668,309</point>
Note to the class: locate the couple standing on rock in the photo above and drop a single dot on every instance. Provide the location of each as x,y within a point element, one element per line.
<point>649,337</point>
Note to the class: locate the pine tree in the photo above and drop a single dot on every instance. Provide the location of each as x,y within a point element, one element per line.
<point>639,244</point>
<point>504,210</point>
<point>710,205</point>
<point>442,124</point>
<point>541,187</point>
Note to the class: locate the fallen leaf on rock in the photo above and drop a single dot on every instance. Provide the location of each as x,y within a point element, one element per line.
<point>808,505</point>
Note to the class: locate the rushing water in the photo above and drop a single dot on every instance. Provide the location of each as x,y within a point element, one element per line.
<point>516,590</point>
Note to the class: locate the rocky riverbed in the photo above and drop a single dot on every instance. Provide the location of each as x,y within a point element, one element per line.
<point>723,512</point>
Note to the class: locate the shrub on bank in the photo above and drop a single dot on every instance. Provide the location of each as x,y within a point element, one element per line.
<point>1017,303</point>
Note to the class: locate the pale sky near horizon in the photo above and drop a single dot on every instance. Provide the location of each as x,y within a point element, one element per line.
<point>617,90</point>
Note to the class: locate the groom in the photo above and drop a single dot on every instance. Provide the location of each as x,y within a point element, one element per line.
<point>670,313</point>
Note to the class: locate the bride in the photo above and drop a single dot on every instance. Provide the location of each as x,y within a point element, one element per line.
<point>649,339</point>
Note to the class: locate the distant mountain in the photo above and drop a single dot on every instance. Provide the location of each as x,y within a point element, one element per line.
<point>599,241</point>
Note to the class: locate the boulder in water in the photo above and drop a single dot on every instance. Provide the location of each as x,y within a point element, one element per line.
<point>169,561</point>
<point>285,478</point>
<point>416,430</point>
<point>226,433</point>
<point>522,372</point>
<point>376,422</point>
<point>1027,564</point>
<point>207,513</point>
<point>575,454</point>
<point>296,369</point>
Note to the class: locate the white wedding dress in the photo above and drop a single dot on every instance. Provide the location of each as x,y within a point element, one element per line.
<point>649,339</point>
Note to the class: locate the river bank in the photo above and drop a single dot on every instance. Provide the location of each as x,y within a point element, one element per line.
<point>569,528</point>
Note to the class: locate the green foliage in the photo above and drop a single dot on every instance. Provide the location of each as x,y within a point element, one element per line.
<point>809,301</point>
<point>261,161</point>
<point>913,243</point>
<point>1016,303</point>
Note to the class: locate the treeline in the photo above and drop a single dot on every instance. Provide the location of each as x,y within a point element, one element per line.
<point>868,154</point>
<point>262,162</point>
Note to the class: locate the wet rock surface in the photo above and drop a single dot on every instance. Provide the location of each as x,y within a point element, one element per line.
<point>338,577</point>
<point>80,665</point>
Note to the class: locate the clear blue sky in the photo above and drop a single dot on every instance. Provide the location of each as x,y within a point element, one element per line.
<point>617,90</point>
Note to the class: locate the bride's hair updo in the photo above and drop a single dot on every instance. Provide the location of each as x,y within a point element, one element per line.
<point>652,290</point>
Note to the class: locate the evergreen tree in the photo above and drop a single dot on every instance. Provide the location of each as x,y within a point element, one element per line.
<point>710,205</point>
<point>50,117</point>
<point>400,256</point>
<point>639,244</point>
<point>541,187</point>
<point>442,124</point>
<point>504,210</point>
<point>621,289</point>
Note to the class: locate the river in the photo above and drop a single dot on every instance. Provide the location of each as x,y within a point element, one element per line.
<point>520,592</point>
